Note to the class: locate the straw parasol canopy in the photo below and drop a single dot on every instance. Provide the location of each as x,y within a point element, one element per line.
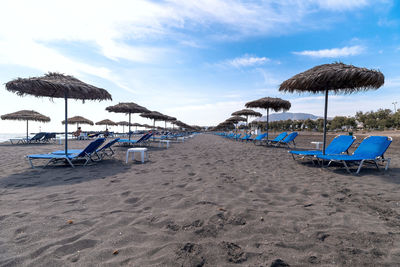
<point>274,103</point>
<point>57,85</point>
<point>335,77</point>
<point>147,126</point>
<point>123,123</point>
<point>247,113</point>
<point>236,119</point>
<point>127,108</point>
<point>26,115</point>
<point>155,116</point>
<point>106,122</point>
<point>78,120</point>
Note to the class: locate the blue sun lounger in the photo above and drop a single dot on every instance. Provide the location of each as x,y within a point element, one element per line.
<point>105,150</point>
<point>259,137</point>
<point>85,154</point>
<point>371,150</point>
<point>288,139</point>
<point>246,137</point>
<point>277,139</point>
<point>339,145</point>
<point>142,140</point>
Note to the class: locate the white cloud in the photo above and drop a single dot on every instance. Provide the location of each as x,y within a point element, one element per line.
<point>246,61</point>
<point>334,52</point>
<point>342,4</point>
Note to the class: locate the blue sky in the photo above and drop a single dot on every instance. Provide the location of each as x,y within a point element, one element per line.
<point>197,60</point>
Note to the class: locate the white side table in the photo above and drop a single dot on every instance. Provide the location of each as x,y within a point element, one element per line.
<point>143,153</point>
<point>317,144</point>
<point>162,142</point>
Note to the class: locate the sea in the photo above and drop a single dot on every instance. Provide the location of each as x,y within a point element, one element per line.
<point>5,136</point>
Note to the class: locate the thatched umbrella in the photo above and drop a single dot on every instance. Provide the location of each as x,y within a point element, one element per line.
<point>106,122</point>
<point>169,119</point>
<point>336,77</point>
<point>78,120</point>
<point>123,124</point>
<point>247,113</point>
<point>127,108</point>
<point>147,126</point>
<point>136,125</point>
<point>235,120</point>
<point>155,116</point>
<point>56,85</point>
<point>276,104</point>
<point>26,115</point>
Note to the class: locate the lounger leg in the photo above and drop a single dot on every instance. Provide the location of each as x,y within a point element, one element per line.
<point>30,162</point>
<point>70,163</point>
<point>376,164</point>
<point>359,167</point>
<point>345,165</point>
<point>387,164</point>
<point>50,161</point>
<point>293,157</point>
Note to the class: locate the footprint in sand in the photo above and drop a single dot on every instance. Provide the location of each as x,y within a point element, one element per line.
<point>125,194</point>
<point>74,247</point>
<point>132,200</point>
<point>234,252</point>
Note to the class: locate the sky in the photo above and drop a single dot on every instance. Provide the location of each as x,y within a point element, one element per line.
<point>196,60</point>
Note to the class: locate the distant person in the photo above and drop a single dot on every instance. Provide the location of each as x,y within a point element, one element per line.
<point>106,133</point>
<point>78,132</point>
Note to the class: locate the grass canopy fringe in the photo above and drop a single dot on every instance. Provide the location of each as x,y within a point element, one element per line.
<point>336,77</point>
<point>276,104</point>
<point>127,108</point>
<point>78,120</point>
<point>106,122</point>
<point>26,115</point>
<point>246,112</point>
<point>57,85</point>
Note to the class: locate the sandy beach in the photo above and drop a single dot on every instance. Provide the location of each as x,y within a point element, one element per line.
<point>206,202</point>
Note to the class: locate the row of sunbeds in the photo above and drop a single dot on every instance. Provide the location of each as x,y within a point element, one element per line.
<point>38,138</point>
<point>284,138</point>
<point>370,151</point>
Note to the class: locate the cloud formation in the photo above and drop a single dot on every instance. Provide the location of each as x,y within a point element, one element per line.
<point>333,52</point>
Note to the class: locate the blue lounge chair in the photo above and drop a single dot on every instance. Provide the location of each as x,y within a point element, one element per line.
<point>259,137</point>
<point>288,139</point>
<point>246,137</point>
<point>85,154</point>
<point>371,150</point>
<point>100,153</point>
<point>142,140</point>
<point>277,139</point>
<point>339,145</point>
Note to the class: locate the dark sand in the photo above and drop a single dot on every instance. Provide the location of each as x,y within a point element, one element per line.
<point>208,201</point>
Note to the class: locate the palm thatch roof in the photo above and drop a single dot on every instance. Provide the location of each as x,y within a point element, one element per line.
<point>78,120</point>
<point>337,77</point>
<point>155,115</point>
<point>106,122</point>
<point>136,124</point>
<point>236,119</point>
<point>170,119</point>
<point>26,115</point>
<point>147,126</point>
<point>273,103</point>
<point>56,85</point>
<point>123,123</point>
<point>246,112</point>
<point>127,108</point>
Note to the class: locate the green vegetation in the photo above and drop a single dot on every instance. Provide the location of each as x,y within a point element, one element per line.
<point>383,119</point>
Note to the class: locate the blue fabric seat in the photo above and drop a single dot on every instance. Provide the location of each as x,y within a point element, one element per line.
<point>85,154</point>
<point>371,150</point>
<point>277,139</point>
<point>339,145</point>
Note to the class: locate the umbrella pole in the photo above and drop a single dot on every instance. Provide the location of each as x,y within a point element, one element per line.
<point>267,123</point>
<point>154,124</point>
<point>129,126</point>
<point>325,118</point>
<point>66,124</point>
<point>27,131</point>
